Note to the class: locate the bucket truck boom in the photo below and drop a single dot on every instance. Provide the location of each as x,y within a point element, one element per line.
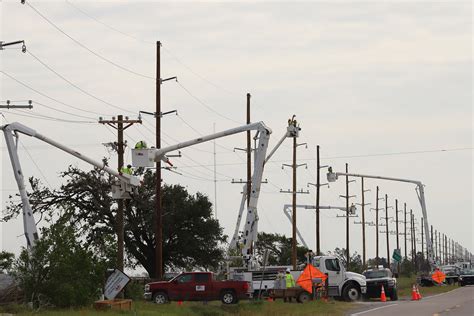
<point>147,158</point>
<point>12,131</point>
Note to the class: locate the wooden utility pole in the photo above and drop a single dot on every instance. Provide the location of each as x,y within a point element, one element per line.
<point>348,254</point>
<point>377,258</point>
<point>249,153</point>
<point>363,204</point>
<point>120,125</point>
<point>159,213</point>
<point>422,243</point>
<point>387,232</point>
<point>396,223</point>
<point>413,228</point>
<point>436,246</point>
<point>318,189</point>
<point>431,237</point>
<point>293,192</point>
<point>405,222</point>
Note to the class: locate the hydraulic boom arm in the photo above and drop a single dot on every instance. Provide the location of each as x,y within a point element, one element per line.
<point>11,132</point>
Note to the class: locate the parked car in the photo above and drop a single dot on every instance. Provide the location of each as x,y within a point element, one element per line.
<point>197,286</point>
<point>466,277</point>
<point>377,277</point>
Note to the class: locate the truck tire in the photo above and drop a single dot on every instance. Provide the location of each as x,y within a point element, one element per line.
<point>351,293</point>
<point>450,281</point>
<point>394,295</point>
<point>228,297</point>
<point>303,297</point>
<point>160,298</point>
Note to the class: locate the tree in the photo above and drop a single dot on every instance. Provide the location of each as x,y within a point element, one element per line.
<point>6,261</point>
<point>60,271</point>
<point>192,238</point>
<point>279,247</point>
<point>355,265</point>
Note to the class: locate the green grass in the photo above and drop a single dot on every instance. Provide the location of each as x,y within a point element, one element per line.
<point>405,287</point>
<point>244,308</point>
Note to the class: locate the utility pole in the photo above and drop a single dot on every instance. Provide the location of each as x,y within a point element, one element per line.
<point>431,235</point>
<point>158,227</point>
<point>120,125</point>
<point>159,212</point>
<point>215,172</point>
<point>405,222</point>
<point>377,258</point>
<point>422,243</point>
<point>347,197</point>
<point>413,239</point>
<point>363,204</point>
<point>318,189</point>
<point>387,231</point>
<point>249,153</point>
<point>396,222</point>
<point>293,192</point>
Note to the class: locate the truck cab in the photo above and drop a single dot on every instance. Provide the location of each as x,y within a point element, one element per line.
<point>349,286</point>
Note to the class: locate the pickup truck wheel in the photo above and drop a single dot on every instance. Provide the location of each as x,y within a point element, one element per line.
<point>228,297</point>
<point>160,298</point>
<point>303,297</point>
<point>351,293</point>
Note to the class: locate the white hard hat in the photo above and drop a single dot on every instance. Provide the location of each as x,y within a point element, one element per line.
<point>288,270</point>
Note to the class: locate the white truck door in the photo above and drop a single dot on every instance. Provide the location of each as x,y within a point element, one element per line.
<point>335,273</point>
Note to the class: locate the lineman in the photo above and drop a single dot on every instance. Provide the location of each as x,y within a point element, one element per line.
<point>290,282</point>
<point>140,145</point>
<point>126,170</point>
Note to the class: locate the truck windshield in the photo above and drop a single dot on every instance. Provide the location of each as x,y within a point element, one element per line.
<point>375,274</point>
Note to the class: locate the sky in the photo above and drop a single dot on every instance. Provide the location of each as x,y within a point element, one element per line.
<point>381,85</point>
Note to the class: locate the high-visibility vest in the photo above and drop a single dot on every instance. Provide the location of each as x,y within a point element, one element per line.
<point>290,282</point>
<point>126,170</point>
<point>140,145</point>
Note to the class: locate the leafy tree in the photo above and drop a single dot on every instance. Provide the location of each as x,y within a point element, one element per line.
<point>192,238</point>
<point>61,271</point>
<point>6,261</point>
<point>279,247</point>
<point>355,264</point>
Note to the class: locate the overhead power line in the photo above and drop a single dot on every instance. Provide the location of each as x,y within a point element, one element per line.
<point>85,47</point>
<point>47,96</point>
<point>47,118</point>
<point>75,85</point>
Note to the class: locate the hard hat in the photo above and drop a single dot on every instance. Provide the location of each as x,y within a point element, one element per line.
<point>288,270</point>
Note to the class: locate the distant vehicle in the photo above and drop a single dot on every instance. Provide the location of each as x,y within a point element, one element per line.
<point>463,265</point>
<point>197,286</point>
<point>452,273</point>
<point>466,277</point>
<point>377,277</point>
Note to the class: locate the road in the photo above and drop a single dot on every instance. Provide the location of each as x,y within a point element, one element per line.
<point>459,302</point>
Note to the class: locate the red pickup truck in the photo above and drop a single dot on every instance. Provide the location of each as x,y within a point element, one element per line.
<point>197,286</point>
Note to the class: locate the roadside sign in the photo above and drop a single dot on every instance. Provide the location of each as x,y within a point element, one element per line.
<point>397,255</point>
<point>115,283</point>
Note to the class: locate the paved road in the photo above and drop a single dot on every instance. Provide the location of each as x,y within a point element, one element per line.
<point>459,302</point>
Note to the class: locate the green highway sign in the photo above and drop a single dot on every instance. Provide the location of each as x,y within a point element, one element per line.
<point>397,255</point>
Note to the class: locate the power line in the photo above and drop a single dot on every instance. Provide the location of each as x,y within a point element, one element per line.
<point>85,47</point>
<point>75,85</point>
<point>48,97</point>
<point>205,105</point>
<point>108,26</point>
<point>167,50</point>
<point>61,111</point>
<point>49,118</point>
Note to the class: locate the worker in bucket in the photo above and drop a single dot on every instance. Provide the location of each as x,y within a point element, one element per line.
<point>140,145</point>
<point>127,170</point>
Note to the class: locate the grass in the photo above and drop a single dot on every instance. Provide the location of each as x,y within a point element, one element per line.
<point>244,308</point>
<point>405,287</point>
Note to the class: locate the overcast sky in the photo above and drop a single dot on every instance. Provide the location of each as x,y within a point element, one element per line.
<point>363,78</point>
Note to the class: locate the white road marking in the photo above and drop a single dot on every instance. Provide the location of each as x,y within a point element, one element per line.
<point>373,309</point>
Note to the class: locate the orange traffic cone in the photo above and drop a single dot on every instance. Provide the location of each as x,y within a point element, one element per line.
<point>383,298</point>
<point>418,293</point>
<point>180,303</point>
<point>414,296</point>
